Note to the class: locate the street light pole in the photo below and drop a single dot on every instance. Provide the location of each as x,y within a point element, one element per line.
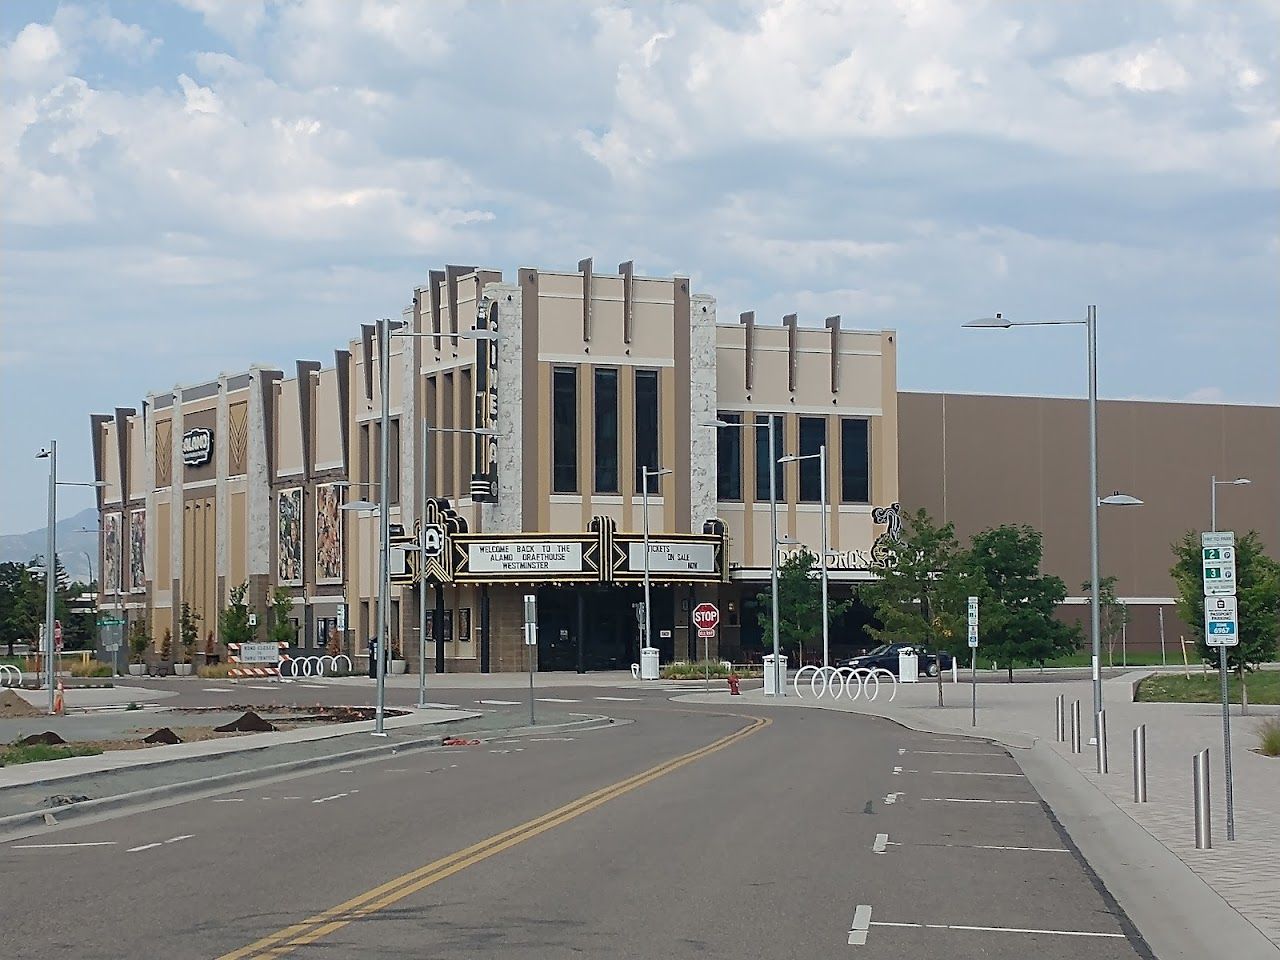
<point>822,466</point>
<point>644,488</point>
<point>384,524</point>
<point>50,568</point>
<point>1095,606</point>
<point>422,580</point>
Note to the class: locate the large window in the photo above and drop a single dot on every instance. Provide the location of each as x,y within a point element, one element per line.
<point>855,461</point>
<point>763,458</point>
<point>729,459</point>
<point>606,430</point>
<point>564,430</point>
<point>813,434</point>
<point>647,428</point>
<point>393,463</point>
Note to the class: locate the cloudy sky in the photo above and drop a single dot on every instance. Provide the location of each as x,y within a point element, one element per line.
<point>193,187</point>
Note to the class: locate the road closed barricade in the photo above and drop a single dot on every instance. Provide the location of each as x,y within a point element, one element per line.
<point>851,683</point>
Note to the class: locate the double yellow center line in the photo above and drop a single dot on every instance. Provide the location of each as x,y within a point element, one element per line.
<point>335,918</point>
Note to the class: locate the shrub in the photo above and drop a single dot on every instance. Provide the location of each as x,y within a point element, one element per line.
<point>216,671</point>
<point>91,668</point>
<point>697,670</point>
<point>1269,737</point>
<point>166,645</point>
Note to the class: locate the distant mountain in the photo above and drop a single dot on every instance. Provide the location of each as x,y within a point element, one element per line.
<point>74,548</point>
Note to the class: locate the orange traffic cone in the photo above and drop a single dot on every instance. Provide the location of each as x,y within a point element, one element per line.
<point>59,706</point>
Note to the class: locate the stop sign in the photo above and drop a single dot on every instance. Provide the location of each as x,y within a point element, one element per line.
<point>706,616</point>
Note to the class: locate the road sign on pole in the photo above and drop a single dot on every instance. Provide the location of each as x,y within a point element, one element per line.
<point>1218,563</point>
<point>531,642</point>
<point>973,611</point>
<point>973,659</point>
<point>706,616</point>
<point>1221,627</point>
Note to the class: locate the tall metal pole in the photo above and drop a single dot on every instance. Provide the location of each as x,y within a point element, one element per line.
<point>384,523</point>
<point>644,489</point>
<point>779,675</point>
<point>422,582</point>
<point>1213,504</point>
<point>1222,680</point>
<point>822,481</point>
<point>1094,599</point>
<point>50,570</point>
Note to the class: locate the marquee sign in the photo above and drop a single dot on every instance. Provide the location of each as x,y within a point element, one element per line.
<point>484,473</point>
<point>197,447</point>
<point>525,556</point>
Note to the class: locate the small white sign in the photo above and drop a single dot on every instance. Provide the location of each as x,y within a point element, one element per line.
<point>259,653</point>
<point>973,634</point>
<point>1221,626</point>
<point>342,616</point>
<point>1218,563</point>
<point>973,612</point>
<point>253,619</point>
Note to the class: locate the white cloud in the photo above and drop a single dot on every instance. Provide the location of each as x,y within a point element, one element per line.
<point>1149,70</point>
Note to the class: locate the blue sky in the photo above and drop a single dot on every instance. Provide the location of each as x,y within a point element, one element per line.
<point>197,186</point>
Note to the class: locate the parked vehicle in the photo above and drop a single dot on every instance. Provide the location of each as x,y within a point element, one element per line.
<point>885,657</point>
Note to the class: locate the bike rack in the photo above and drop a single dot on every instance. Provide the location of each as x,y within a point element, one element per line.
<point>5,670</point>
<point>837,681</point>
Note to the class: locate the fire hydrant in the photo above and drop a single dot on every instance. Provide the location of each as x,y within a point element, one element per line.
<point>733,685</point>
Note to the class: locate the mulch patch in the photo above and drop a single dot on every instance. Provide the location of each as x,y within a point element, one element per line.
<point>249,722</point>
<point>163,735</point>
<point>46,739</point>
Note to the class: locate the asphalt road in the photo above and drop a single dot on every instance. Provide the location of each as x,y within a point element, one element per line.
<point>686,832</point>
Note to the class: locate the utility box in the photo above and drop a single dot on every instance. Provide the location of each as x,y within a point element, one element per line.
<point>908,666</point>
<point>775,674</point>
<point>649,663</point>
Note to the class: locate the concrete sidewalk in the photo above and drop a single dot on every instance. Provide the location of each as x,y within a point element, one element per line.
<point>1245,874</point>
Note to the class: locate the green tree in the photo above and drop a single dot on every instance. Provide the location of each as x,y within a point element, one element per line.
<point>282,627</point>
<point>1112,615</point>
<point>21,604</point>
<point>233,621</point>
<point>188,632</point>
<point>1257,600</point>
<point>1017,601</point>
<point>799,604</point>
<point>920,599</point>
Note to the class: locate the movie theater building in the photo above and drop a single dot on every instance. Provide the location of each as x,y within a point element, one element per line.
<point>589,378</point>
<point>211,485</point>
<point>592,378</point>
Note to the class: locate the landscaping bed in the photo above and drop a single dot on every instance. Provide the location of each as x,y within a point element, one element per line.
<point>1264,688</point>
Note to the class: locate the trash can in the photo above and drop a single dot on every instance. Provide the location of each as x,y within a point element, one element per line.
<point>908,665</point>
<point>649,663</point>
<point>775,674</point>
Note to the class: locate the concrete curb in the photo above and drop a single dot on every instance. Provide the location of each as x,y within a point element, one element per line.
<point>20,825</point>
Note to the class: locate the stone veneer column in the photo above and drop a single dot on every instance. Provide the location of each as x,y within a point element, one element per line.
<point>258,494</point>
<point>507,515</point>
<point>149,485</point>
<point>702,409</point>
<point>222,504</point>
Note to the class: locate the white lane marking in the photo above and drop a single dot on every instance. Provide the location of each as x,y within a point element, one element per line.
<point>901,751</point>
<point>958,926</point>
<point>313,686</point>
<point>217,690</point>
<point>981,846</point>
<point>272,689</point>
<point>501,703</point>
<point>965,800</point>
<point>185,836</point>
<point>556,700</point>
<point>336,796</point>
<point>893,797</point>
<point>897,771</point>
<point>622,699</point>
<point>550,739</point>
<point>955,753</point>
<point>861,921</point>
<point>59,846</point>
<point>230,800</point>
<point>290,798</point>
<point>882,840</point>
<point>145,846</point>
<point>977,773</point>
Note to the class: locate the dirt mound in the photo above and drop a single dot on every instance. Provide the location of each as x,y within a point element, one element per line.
<point>13,706</point>
<point>249,722</point>
<point>163,735</point>
<point>46,739</point>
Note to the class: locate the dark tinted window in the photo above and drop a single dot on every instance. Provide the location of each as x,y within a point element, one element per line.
<point>813,434</point>
<point>855,461</point>
<point>762,458</point>
<point>729,458</point>
<point>606,430</point>
<point>647,427</point>
<point>564,430</point>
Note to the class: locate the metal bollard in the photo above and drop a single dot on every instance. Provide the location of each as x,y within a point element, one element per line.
<point>1075,726</point>
<point>1140,763</point>
<point>1102,742</point>
<point>1200,781</point>
<point>1060,715</point>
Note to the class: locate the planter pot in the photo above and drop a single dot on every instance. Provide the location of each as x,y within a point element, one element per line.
<point>399,666</point>
<point>137,669</point>
<point>182,669</point>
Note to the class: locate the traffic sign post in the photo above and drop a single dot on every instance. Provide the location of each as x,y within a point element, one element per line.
<point>1221,630</point>
<point>973,658</point>
<point>531,642</point>
<point>706,617</point>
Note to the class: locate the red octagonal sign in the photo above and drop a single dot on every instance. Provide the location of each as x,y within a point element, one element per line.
<point>706,616</point>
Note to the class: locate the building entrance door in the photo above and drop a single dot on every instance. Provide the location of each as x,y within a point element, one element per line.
<point>610,633</point>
